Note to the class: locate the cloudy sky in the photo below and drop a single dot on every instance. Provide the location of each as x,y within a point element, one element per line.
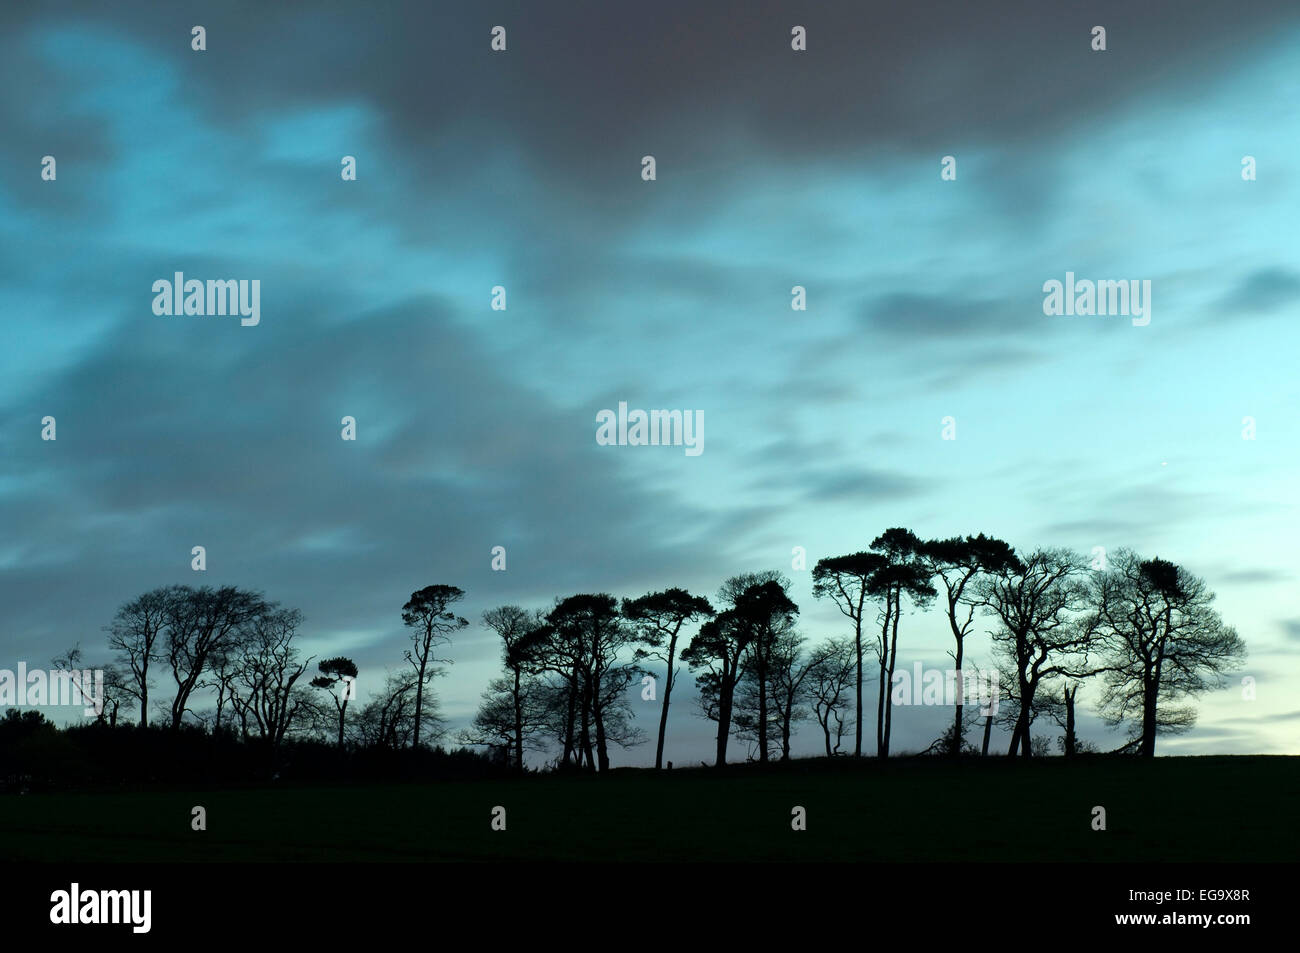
<point>476,428</point>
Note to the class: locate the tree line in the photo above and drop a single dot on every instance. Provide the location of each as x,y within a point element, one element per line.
<point>1145,631</point>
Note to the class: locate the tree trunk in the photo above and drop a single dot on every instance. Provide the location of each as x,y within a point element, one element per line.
<point>1148,748</point>
<point>724,724</point>
<point>1069,722</point>
<point>602,750</point>
<point>419,699</point>
<point>893,659</point>
<point>1027,690</point>
<point>570,721</point>
<point>988,729</point>
<point>1150,699</point>
<point>584,736</point>
<point>519,726</point>
<point>880,714</point>
<point>881,751</point>
<point>857,638</point>
<point>961,692</point>
<point>785,732</point>
<point>663,713</point>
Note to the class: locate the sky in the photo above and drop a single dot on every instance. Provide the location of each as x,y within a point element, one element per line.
<point>523,169</point>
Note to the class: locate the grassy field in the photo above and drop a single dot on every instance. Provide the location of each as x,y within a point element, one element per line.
<point>1172,809</point>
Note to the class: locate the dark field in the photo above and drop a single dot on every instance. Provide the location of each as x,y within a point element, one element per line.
<point>1206,809</point>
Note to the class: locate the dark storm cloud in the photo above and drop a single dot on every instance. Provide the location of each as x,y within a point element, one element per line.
<point>595,81</point>
<point>243,455</point>
<point>919,317</point>
<point>962,339</point>
<point>36,123</point>
<point>1262,292</point>
<point>841,485</point>
<point>797,468</point>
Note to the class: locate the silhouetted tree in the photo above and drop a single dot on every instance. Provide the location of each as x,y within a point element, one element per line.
<point>222,672</point>
<point>269,670</point>
<point>1162,640</point>
<point>784,700</point>
<point>846,581</point>
<point>833,669</point>
<point>513,625</point>
<point>901,575</point>
<point>956,563</point>
<point>762,605</point>
<point>557,702</point>
<point>511,718</point>
<point>432,623</point>
<point>335,673</point>
<point>949,743</point>
<point>744,713</point>
<point>117,692</point>
<point>615,724</point>
<point>561,652</point>
<point>581,642</point>
<point>198,623</point>
<point>1060,708</point>
<point>592,624</point>
<point>387,720</point>
<point>719,647</point>
<point>788,676</point>
<point>136,634</point>
<point>1040,635</point>
<point>107,693</point>
<point>659,617</point>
